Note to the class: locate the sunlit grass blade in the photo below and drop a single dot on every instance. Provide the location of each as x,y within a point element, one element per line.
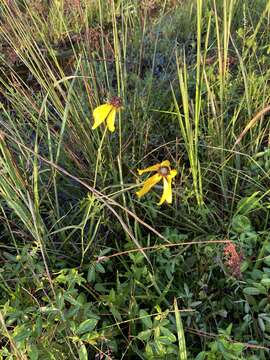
<point>182,355</point>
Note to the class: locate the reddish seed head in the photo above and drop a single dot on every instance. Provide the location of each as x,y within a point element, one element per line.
<point>233,259</point>
<point>116,101</point>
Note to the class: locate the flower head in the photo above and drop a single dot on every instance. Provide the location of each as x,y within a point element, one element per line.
<point>107,112</point>
<point>163,172</point>
<point>233,259</point>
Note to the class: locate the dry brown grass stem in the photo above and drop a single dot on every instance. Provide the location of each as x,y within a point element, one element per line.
<point>157,247</point>
<point>251,123</point>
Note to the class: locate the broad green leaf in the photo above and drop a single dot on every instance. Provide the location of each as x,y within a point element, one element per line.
<point>144,335</point>
<point>241,224</point>
<point>86,326</point>
<point>164,340</point>
<point>168,334</point>
<point>251,291</point>
<point>266,282</point>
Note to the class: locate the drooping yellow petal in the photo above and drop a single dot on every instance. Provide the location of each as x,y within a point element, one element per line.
<point>167,188</point>
<point>167,192</point>
<point>173,173</point>
<point>150,168</point>
<point>100,114</point>
<point>149,183</point>
<point>111,119</point>
<point>165,163</point>
<point>156,167</point>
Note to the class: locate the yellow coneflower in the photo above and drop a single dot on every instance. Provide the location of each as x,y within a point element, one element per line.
<point>107,112</point>
<point>163,171</point>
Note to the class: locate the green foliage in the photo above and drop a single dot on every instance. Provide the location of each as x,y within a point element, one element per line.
<point>222,348</point>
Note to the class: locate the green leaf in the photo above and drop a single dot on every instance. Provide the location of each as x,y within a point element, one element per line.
<point>69,297</point>
<point>267,246</point>
<point>201,356</point>
<point>144,335</point>
<point>21,333</point>
<point>241,224</point>
<point>83,353</point>
<point>195,303</point>
<point>38,327</point>
<point>251,291</point>
<point>100,268</point>
<point>221,348</point>
<point>256,274</point>
<point>267,260</point>
<point>33,352</point>
<point>60,302</point>
<point>146,319</point>
<point>261,324</point>
<point>149,350</point>
<point>164,340</point>
<point>266,282</point>
<point>265,317</point>
<point>168,334</point>
<point>116,313</point>
<point>244,266</point>
<point>91,275</point>
<point>238,348</point>
<point>261,288</point>
<point>86,326</point>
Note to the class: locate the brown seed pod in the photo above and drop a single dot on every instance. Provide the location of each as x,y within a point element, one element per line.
<point>163,171</point>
